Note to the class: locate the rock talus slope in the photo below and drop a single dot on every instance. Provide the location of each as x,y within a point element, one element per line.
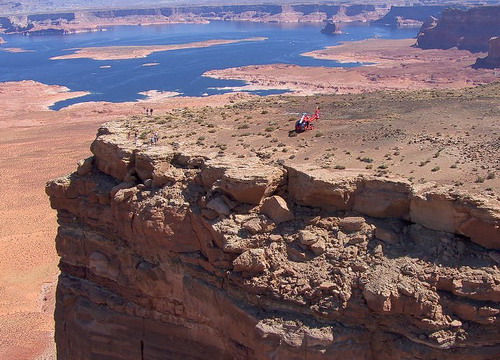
<point>168,254</point>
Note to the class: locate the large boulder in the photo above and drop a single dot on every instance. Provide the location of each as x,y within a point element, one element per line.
<point>247,182</point>
<point>113,154</point>
<point>153,162</point>
<point>322,188</point>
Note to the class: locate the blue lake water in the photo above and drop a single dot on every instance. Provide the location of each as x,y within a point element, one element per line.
<point>179,70</point>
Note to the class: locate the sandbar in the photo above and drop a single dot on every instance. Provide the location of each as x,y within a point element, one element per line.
<point>16,50</point>
<point>135,52</point>
<point>156,95</point>
<point>395,65</point>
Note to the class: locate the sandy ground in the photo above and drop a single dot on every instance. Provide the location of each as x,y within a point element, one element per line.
<point>37,145</point>
<point>397,65</point>
<point>134,52</point>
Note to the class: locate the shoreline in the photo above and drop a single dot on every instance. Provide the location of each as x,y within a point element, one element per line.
<point>385,65</point>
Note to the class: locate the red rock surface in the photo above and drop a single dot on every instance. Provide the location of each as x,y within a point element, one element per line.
<point>190,268</point>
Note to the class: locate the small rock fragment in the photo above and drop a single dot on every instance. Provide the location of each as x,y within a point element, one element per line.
<point>85,166</point>
<point>253,225</point>
<point>495,256</point>
<point>307,237</point>
<point>251,261</point>
<point>351,224</point>
<point>319,247</point>
<point>219,206</point>
<point>277,209</point>
<point>387,236</point>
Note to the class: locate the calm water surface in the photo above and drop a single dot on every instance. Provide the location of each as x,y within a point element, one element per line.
<point>179,70</point>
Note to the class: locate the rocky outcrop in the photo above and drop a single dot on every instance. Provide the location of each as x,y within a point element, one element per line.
<point>171,254</point>
<point>406,16</point>
<point>466,30</point>
<point>331,29</point>
<point>491,61</point>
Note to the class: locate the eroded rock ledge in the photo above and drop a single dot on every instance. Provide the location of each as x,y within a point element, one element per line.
<point>167,254</point>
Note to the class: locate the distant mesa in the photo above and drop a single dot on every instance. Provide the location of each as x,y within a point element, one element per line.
<point>464,29</point>
<point>331,29</point>
<point>409,16</point>
<point>492,61</point>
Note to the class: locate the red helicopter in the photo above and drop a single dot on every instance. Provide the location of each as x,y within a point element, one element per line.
<point>306,122</point>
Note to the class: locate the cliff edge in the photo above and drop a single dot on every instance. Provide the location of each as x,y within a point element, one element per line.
<point>170,253</point>
<point>491,61</point>
<point>467,30</point>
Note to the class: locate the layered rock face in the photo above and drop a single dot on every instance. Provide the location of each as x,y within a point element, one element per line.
<point>409,15</point>
<point>467,30</point>
<point>167,254</point>
<point>491,61</point>
<point>88,20</point>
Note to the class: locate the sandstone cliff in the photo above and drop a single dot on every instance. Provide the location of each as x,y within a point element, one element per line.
<point>70,22</point>
<point>409,15</point>
<point>170,254</point>
<point>491,61</point>
<point>466,30</point>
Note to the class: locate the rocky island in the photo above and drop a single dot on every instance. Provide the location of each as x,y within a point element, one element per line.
<point>141,51</point>
<point>331,29</point>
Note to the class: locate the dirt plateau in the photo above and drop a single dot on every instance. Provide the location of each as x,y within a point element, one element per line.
<point>167,254</point>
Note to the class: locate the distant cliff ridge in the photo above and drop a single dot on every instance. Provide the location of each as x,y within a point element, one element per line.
<point>399,15</point>
<point>88,20</point>
<point>467,30</point>
<point>491,61</point>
